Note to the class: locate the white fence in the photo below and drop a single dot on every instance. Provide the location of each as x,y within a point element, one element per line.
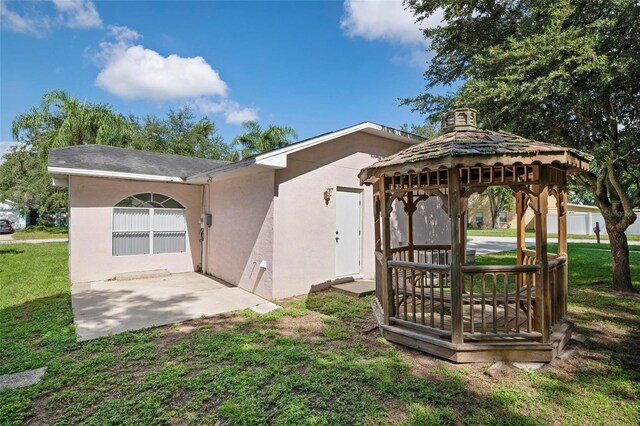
<point>583,224</point>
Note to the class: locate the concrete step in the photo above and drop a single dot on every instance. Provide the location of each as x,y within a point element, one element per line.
<point>358,288</point>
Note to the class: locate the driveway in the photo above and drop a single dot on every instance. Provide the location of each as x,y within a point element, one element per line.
<point>103,308</point>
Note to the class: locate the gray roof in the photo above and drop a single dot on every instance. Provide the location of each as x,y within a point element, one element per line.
<point>444,149</point>
<point>113,159</point>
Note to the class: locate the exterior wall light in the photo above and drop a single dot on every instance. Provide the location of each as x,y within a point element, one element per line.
<point>327,194</point>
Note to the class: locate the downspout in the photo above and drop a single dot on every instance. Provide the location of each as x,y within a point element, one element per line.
<point>69,225</point>
<point>202,232</point>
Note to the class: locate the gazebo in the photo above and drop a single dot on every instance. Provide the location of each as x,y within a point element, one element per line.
<point>427,296</point>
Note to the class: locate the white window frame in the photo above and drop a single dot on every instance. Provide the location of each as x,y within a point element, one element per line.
<point>150,231</point>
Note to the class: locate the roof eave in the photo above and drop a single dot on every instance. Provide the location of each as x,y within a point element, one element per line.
<point>570,160</point>
<point>69,171</point>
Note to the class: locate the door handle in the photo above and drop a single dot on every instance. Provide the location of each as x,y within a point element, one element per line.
<point>337,238</point>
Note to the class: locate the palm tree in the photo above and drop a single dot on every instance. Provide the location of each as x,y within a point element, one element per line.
<point>256,140</point>
<point>62,120</point>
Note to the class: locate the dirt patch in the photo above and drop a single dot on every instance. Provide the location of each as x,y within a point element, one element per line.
<point>40,408</point>
<point>307,328</point>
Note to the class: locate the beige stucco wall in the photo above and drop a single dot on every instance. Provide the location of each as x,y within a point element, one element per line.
<point>304,226</point>
<point>241,236</point>
<point>91,202</point>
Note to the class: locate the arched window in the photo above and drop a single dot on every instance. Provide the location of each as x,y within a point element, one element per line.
<point>148,223</point>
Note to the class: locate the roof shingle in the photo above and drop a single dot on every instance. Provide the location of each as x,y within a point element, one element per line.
<point>113,159</point>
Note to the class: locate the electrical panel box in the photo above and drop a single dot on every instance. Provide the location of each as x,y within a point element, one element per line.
<point>205,220</point>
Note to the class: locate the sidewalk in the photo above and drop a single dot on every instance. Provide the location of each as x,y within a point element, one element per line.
<point>532,240</point>
<point>488,244</point>
<point>46,240</point>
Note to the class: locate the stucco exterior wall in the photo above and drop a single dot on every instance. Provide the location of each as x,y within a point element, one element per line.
<point>304,226</point>
<point>91,202</point>
<point>241,235</point>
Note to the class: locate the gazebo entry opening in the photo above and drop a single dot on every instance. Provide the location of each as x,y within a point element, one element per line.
<point>427,296</point>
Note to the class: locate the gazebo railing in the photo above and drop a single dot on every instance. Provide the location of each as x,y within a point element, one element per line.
<point>499,302</point>
<point>435,254</point>
<point>558,289</point>
<point>421,296</point>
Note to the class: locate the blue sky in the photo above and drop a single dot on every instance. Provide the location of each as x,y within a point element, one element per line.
<point>315,66</point>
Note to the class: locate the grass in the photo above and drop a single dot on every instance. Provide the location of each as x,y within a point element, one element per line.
<point>318,361</point>
<point>511,232</point>
<point>41,233</point>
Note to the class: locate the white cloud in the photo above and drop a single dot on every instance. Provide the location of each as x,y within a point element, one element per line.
<point>70,13</point>
<point>13,21</point>
<point>233,112</point>
<point>390,20</point>
<point>135,72</point>
<point>380,19</point>
<point>132,71</point>
<point>78,13</point>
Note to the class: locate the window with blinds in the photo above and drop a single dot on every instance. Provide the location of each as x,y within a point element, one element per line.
<point>148,223</point>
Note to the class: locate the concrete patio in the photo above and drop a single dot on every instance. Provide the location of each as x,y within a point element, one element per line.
<point>103,308</point>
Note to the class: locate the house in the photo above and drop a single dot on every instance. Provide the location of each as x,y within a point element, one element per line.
<point>581,218</point>
<point>274,224</point>
<point>479,214</point>
<point>19,218</point>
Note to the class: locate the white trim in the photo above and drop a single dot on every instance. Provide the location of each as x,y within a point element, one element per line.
<point>109,174</point>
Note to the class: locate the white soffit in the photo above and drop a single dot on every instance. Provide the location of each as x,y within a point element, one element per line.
<point>64,171</point>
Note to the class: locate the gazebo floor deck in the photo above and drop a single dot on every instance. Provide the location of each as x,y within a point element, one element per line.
<point>481,323</point>
<point>475,348</point>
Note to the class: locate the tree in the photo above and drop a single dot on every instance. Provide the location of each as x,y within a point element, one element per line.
<point>562,71</point>
<point>256,140</point>
<point>500,200</point>
<point>180,134</point>
<point>61,120</point>
<point>426,130</point>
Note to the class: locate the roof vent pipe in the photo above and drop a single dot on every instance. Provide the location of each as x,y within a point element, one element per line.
<point>460,119</point>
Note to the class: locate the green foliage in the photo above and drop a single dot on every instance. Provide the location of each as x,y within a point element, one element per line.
<point>62,120</point>
<point>561,71</point>
<point>426,130</point>
<point>256,140</point>
<point>180,134</point>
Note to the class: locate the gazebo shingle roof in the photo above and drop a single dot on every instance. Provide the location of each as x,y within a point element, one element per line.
<point>477,144</point>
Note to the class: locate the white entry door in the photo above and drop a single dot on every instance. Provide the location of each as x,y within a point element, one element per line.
<point>348,223</point>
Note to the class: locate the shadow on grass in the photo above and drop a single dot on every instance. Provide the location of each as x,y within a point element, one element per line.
<point>8,250</point>
<point>243,370</point>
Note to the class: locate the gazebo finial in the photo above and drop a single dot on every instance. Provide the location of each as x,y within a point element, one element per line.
<point>459,119</point>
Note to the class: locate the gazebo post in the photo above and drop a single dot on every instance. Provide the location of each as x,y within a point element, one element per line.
<point>521,207</point>
<point>456,271</point>
<point>409,209</point>
<point>561,208</point>
<point>387,295</point>
<point>543,296</point>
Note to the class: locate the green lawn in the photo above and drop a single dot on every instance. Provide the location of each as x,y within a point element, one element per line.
<point>318,361</point>
<point>511,232</point>
<point>41,233</point>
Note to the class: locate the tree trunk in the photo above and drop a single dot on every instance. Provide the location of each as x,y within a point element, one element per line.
<point>620,260</point>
